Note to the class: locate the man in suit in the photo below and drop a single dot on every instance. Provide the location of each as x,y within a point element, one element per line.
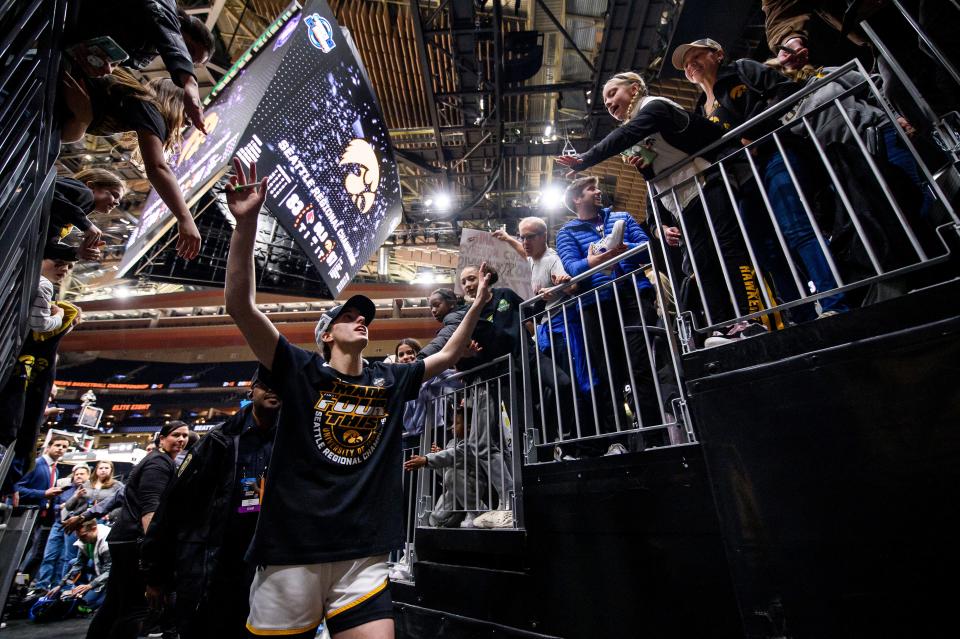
<point>39,488</point>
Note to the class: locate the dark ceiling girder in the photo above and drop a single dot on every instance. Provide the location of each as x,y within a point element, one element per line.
<point>428,85</point>
<point>417,160</point>
<point>569,38</point>
<point>524,90</point>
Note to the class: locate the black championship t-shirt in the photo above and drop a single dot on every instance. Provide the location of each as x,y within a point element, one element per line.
<point>333,491</point>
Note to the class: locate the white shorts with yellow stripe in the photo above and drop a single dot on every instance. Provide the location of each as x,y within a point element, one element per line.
<point>287,600</point>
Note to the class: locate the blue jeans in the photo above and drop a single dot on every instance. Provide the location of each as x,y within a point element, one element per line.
<point>898,155</point>
<point>796,228</point>
<point>94,597</point>
<point>69,553</point>
<point>51,569</point>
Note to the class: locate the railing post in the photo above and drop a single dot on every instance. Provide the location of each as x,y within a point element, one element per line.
<point>516,458</point>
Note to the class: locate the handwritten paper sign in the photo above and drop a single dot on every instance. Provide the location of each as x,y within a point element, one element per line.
<point>477,247</point>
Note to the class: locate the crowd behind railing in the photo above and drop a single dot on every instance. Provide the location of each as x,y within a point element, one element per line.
<point>791,193</point>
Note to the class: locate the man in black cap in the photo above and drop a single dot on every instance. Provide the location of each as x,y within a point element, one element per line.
<point>196,544</point>
<point>333,506</point>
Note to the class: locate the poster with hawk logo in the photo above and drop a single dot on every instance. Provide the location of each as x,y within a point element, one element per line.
<point>302,107</point>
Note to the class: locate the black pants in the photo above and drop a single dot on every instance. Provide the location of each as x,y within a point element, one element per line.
<point>124,607</point>
<point>223,612</point>
<point>611,361</point>
<point>552,385</point>
<point>733,252</point>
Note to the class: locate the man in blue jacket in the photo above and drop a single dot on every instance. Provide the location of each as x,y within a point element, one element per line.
<point>586,242</point>
<point>39,488</point>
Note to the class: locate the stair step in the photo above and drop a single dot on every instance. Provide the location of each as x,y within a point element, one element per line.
<point>497,595</point>
<point>503,549</point>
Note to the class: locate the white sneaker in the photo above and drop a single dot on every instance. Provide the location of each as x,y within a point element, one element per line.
<point>616,449</point>
<point>740,330</point>
<point>495,519</point>
<point>467,521</point>
<point>614,239</point>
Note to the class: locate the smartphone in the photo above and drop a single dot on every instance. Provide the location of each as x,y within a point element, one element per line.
<point>95,55</point>
<point>647,153</point>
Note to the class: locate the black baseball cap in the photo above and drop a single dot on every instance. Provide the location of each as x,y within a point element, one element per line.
<point>60,251</point>
<point>360,302</point>
<point>261,376</point>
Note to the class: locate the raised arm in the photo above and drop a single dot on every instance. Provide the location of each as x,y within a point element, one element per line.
<point>503,236</point>
<point>451,351</point>
<point>239,292</point>
<point>165,182</point>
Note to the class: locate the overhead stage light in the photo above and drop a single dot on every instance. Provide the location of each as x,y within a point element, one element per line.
<point>442,202</point>
<point>551,198</point>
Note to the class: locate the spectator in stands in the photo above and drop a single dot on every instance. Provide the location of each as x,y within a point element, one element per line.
<point>596,236</point>
<point>119,103</point>
<point>895,162</point>
<point>125,607</point>
<point>788,34</point>
<point>59,550</point>
<point>74,199</point>
<point>58,261</point>
<point>145,29</point>
<point>111,506</point>
<point>196,544</point>
<point>39,488</point>
<point>87,575</point>
<point>458,459</point>
<point>406,350</point>
<point>338,450</point>
<point>101,488</point>
<point>546,271</point>
<point>26,393</point>
<point>447,309</point>
<point>734,93</point>
<point>498,332</point>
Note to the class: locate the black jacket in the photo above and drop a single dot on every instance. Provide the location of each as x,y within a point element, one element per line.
<point>744,89</point>
<point>72,203</point>
<point>142,28</point>
<point>450,323</point>
<point>683,131</point>
<point>191,522</point>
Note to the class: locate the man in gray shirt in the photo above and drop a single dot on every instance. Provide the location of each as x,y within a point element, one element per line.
<point>546,271</point>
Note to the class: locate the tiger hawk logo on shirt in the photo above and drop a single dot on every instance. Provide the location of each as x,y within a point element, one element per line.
<point>348,422</point>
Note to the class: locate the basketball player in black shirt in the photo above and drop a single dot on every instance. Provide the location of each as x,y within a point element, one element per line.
<point>332,505</point>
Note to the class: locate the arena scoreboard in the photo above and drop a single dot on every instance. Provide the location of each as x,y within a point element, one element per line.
<point>299,104</point>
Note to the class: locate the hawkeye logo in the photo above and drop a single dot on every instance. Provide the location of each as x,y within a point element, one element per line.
<point>320,32</point>
<point>348,422</point>
<point>361,186</point>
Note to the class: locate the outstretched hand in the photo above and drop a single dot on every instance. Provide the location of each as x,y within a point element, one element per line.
<point>244,196</point>
<point>72,524</point>
<point>569,161</point>
<point>192,106</point>
<point>484,294</point>
<point>188,243</point>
